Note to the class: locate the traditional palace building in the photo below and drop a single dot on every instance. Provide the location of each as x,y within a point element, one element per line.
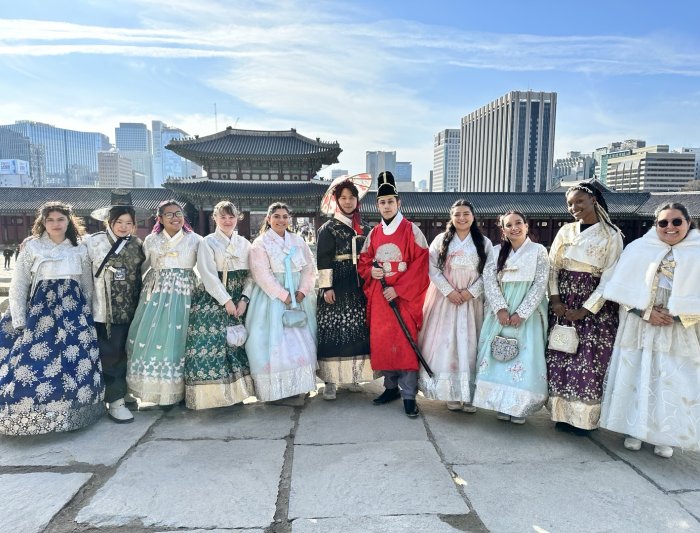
<point>255,169</point>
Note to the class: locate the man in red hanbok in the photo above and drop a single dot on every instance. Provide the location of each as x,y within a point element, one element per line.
<point>401,251</point>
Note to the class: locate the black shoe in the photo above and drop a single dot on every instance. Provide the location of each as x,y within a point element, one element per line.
<point>410,407</point>
<point>389,395</point>
<point>564,427</point>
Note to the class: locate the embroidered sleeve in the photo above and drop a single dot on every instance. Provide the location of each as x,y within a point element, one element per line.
<point>325,252</point>
<point>206,266</point>
<point>596,301</point>
<point>86,280</point>
<point>538,289</point>
<point>476,289</point>
<point>436,275</point>
<point>20,286</point>
<point>555,262</point>
<point>308,271</point>
<point>492,290</point>
<point>262,272</point>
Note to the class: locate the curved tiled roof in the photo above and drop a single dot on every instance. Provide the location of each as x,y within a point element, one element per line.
<point>232,143</point>
<point>203,188</point>
<point>24,200</point>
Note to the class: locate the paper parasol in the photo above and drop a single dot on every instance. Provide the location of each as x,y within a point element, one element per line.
<point>361,181</point>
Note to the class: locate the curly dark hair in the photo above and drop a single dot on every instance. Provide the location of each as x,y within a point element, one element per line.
<point>477,237</point>
<point>76,228</point>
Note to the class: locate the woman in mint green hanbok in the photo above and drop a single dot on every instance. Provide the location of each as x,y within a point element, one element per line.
<point>155,345</point>
<point>282,353</point>
<point>515,283</point>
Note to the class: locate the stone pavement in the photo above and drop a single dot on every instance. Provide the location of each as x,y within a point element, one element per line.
<point>312,466</point>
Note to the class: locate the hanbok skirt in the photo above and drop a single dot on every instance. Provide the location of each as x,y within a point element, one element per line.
<point>343,334</point>
<point>157,337</point>
<point>517,387</point>
<point>282,359</point>
<point>449,339</point>
<point>652,390</point>
<point>216,375</point>
<point>50,372</point>
<point>576,380</point>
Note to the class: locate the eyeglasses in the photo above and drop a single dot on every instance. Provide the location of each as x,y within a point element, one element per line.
<point>664,223</point>
<point>171,215</point>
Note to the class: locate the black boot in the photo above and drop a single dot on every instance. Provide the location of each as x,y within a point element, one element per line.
<point>389,395</point>
<point>410,407</point>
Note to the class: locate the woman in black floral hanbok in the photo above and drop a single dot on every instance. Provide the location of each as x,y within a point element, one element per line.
<point>343,335</point>
<point>50,373</point>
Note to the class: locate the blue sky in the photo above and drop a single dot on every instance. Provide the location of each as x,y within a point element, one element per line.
<point>373,75</point>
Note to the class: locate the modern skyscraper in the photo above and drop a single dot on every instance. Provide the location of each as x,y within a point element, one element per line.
<point>376,162</point>
<point>508,144</point>
<point>166,163</point>
<point>14,145</point>
<point>337,172</point>
<point>695,151</point>
<point>115,170</point>
<point>574,167</point>
<point>404,171</point>
<point>133,140</point>
<point>446,160</point>
<point>71,156</point>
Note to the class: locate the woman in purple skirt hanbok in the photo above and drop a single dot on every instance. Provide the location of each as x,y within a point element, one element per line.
<point>582,258</point>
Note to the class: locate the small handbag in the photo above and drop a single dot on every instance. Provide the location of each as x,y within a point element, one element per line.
<point>294,318</point>
<point>504,349</point>
<point>563,339</point>
<point>236,335</point>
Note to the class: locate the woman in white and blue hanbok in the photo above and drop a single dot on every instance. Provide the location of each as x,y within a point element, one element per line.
<point>282,358</point>
<point>515,284</point>
<point>50,372</point>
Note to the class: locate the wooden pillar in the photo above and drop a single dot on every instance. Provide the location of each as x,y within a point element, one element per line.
<point>202,222</point>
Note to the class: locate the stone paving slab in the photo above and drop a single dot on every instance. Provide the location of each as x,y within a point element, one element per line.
<point>28,502</point>
<point>690,502</point>
<point>680,472</point>
<point>480,438</point>
<point>235,422</point>
<point>374,524</point>
<point>352,418</point>
<point>192,484</point>
<point>571,497</point>
<point>102,443</point>
<point>371,479</point>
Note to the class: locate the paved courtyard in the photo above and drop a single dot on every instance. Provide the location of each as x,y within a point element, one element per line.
<point>312,466</point>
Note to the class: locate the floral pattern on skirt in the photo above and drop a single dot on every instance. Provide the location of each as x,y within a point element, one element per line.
<point>216,374</point>
<point>156,342</point>
<point>576,380</point>
<point>50,372</point>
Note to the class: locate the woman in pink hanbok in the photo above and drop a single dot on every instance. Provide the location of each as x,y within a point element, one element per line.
<point>453,309</point>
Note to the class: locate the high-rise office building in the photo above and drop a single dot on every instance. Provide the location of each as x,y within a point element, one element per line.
<point>115,170</point>
<point>133,140</point>
<point>71,156</point>
<point>337,172</point>
<point>404,171</point>
<point>508,144</point>
<point>377,162</point>
<point>166,163</point>
<point>695,151</point>
<point>14,145</point>
<point>652,168</point>
<point>574,167</point>
<point>446,160</point>
<point>613,150</point>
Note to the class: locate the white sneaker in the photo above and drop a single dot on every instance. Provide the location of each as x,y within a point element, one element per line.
<point>454,406</point>
<point>329,391</point>
<point>118,412</point>
<point>517,419</point>
<point>663,451</point>
<point>632,444</point>
<point>469,408</point>
<point>502,416</point>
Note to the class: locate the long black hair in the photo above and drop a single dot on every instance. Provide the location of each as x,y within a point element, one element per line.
<point>506,246</point>
<point>475,232</point>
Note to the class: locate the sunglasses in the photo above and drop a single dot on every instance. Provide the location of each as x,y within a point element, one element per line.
<point>664,223</point>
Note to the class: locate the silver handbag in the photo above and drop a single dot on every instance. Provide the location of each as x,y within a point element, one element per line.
<point>563,339</point>
<point>504,349</point>
<point>294,318</point>
<point>236,335</point>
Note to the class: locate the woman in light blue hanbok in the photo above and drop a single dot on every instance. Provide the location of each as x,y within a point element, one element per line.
<point>515,282</point>
<point>282,353</point>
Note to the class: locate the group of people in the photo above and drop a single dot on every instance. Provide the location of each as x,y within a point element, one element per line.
<point>601,336</point>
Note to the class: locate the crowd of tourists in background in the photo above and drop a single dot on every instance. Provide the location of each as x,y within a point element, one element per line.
<point>600,336</point>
